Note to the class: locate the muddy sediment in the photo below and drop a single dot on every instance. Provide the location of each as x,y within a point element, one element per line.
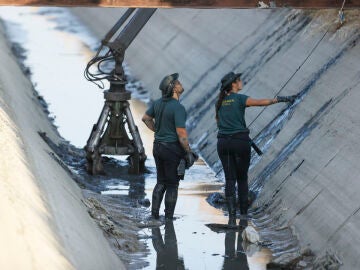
<point>120,217</point>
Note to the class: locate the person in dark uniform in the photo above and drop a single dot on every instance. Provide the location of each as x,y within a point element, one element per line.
<point>167,117</point>
<point>233,144</point>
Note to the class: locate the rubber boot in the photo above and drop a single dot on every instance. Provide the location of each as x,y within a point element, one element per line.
<point>170,201</point>
<point>157,197</point>
<point>244,208</point>
<point>243,214</point>
<point>231,205</point>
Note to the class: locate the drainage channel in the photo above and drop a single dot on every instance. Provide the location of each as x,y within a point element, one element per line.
<point>54,48</point>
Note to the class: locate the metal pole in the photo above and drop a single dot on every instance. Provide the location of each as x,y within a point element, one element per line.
<point>94,139</point>
<point>134,130</point>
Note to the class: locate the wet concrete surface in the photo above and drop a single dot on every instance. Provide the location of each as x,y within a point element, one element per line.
<point>185,243</point>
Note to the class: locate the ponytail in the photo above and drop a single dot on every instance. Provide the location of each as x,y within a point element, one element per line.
<point>221,97</point>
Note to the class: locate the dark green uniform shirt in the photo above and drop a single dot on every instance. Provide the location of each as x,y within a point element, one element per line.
<point>232,114</point>
<point>173,116</point>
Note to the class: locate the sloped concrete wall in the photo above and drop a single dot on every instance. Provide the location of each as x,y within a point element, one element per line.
<point>311,147</point>
<point>44,222</point>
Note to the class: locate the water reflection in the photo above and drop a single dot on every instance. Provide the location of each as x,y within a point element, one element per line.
<point>137,189</point>
<point>122,183</point>
<point>235,257</point>
<point>167,256</point>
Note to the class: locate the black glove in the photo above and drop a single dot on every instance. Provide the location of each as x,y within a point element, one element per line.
<point>181,169</point>
<point>290,99</point>
<point>190,158</point>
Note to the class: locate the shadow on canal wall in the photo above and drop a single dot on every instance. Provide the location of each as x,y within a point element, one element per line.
<point>308,174</point>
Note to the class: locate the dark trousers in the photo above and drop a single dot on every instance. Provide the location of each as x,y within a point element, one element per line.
<point>167,158</point>
<point>235,153</point>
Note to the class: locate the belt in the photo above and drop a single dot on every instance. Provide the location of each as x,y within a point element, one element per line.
<point>238,135</point>
<point>168,143</point>
<point>243,136</point>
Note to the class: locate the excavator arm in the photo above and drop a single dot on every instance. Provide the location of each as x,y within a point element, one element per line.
<point>109,135</point>
<point>113,45</point>
<point>130,31</point>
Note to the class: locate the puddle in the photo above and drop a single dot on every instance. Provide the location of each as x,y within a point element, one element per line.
<point>57,49</point>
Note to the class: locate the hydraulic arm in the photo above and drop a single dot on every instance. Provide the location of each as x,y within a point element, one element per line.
<point>109,135</point>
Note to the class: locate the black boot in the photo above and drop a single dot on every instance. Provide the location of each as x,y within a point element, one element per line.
<point>231,205</point>
<point>244,209</point>
<point>170,201</point>
<point>243,214</point>
<point>157,196</point>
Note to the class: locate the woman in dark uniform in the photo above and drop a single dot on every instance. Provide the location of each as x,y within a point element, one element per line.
<point>233,140</point>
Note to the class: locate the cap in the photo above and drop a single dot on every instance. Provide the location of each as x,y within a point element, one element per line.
<point>164,85</point>
<point>228,79</point>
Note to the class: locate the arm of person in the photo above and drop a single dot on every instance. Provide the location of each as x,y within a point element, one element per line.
<point>149,122</point>
<point>268,101</point>
<point>190,156</point>
<point>260,102</point>
<point>183,138</point>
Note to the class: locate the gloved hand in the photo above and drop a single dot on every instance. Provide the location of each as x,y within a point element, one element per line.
<point>190,158</point>
<point>181,169</point>
<point>290,99</point>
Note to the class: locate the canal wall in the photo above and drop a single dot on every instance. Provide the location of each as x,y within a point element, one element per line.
<point>309,170</point>
<point>43,222</point>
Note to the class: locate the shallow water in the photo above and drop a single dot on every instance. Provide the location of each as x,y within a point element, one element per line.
<point>57,48</point>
